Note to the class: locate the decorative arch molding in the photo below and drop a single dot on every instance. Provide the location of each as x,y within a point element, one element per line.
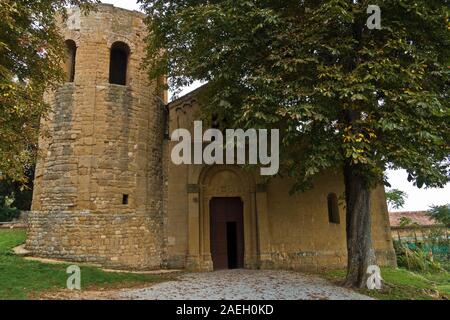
<point>112,40</point>
<point>73,35</point>
<point>222,181</point>
<point>226,181</point>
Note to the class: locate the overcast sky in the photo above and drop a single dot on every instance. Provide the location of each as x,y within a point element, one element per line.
<point>418,199</point>
<point>127,4</point>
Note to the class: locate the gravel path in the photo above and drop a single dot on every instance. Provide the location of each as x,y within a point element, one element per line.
<point>244,285</point>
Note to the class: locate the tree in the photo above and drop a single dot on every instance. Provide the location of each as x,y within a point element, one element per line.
<point>441,214</point>
<point>342,95</point>
<point>396,198</point>
<point>31,56</point>
<point>18,192</point>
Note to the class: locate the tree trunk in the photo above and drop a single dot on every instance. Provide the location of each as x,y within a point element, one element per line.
<point>360,251</point>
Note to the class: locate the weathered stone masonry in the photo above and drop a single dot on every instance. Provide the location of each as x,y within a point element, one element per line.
<point>106,191</point>
<point>103,144</point>
<point>113,240</point>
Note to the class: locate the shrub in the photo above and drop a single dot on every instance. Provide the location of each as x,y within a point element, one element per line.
<point>416,259</point>
<point>441,214</point>
<point>9,214</point>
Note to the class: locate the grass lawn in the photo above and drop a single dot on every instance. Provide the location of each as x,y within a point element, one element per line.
<point>401,284</point>
<point>24,279</point>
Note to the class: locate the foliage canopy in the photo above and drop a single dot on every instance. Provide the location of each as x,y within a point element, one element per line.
<point>340,93</point>
<point>31,56</point>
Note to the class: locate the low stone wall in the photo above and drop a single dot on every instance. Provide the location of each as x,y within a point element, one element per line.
<point>112,240</point>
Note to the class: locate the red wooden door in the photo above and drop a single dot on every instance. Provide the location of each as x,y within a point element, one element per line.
<point>227,233</point>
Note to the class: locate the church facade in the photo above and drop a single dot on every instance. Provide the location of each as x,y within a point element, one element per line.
<point>107,192</point>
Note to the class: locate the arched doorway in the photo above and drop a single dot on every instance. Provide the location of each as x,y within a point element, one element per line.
<point>227,219</point>
<point>227,232</point>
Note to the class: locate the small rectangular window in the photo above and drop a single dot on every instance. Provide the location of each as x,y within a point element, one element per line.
<point>71,52</point>
<point>333,209</point>
<point>125,199</point>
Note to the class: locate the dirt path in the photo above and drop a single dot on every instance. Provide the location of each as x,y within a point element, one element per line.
<point>226,285</point>
<point>244,285</point>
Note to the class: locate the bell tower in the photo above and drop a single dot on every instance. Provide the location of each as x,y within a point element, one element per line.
<point>98,193</point>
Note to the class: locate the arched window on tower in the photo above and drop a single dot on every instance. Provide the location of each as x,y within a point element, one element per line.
<point>333,209</point>
<point>118,64</point>
<point>71,55</point>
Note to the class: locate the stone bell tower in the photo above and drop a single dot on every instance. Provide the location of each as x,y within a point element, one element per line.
<point>98,193</point>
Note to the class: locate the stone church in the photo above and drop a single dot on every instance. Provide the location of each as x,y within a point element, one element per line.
<point>106,191</point>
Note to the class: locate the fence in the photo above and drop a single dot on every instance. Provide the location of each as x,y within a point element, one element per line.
<point>432,240</point>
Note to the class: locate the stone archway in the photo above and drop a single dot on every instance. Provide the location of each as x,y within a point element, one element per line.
<point>224,181</point>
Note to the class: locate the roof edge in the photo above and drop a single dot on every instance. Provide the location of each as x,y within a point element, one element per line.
<point>187,97</point>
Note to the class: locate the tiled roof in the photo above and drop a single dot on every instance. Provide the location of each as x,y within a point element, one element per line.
<point>419,217</point>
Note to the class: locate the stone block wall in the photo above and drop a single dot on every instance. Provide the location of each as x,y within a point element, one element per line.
<point>112,240</point>
<point>101,145</point>
<point>281,231</point>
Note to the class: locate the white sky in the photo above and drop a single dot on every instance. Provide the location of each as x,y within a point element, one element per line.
<point>418,199</point>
